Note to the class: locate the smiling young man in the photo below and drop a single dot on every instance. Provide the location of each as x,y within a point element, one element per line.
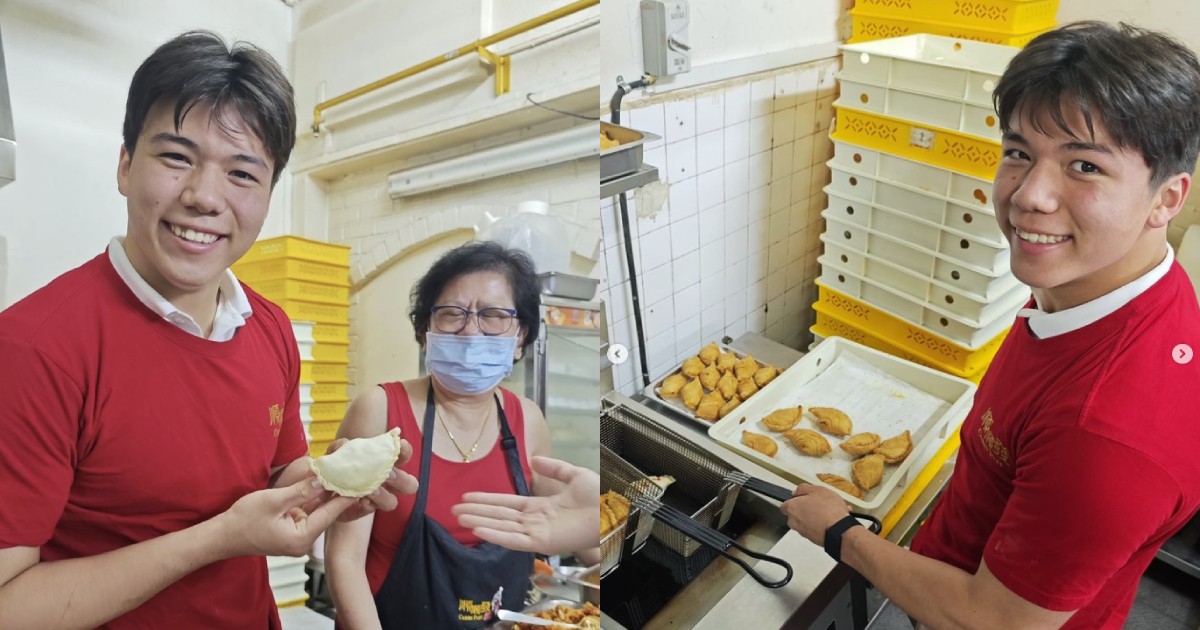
<point>151,399</point>
<point>1077,459</point>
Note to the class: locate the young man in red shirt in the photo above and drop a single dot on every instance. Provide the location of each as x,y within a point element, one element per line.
<point>151,399</point>
<point>1078,457</point>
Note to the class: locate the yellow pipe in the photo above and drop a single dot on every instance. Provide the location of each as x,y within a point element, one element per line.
<point>523,27</point>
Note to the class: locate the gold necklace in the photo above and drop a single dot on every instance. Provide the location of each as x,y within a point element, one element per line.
<point>466,455</point>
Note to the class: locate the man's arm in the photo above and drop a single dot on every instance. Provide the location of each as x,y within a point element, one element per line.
<point>82,592</point>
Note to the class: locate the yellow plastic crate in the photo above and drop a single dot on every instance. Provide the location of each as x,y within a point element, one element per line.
<point>314,372</point>
<point>953,150</point>
<point>331,352</point>
<point>866,27</point>
<point>280,290</point>
<point>250,273</point>
<point>323,431</point>
<point>933,348</point>
<point>299,601</point>
<point>1012,16</point>
<point>329,411</point>
<point>331,333</point>
<point>317,448</point>
<point>298,310</point>
<point>329,392</point>
<point>299,248</point>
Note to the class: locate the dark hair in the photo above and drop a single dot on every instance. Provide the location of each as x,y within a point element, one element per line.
<point>513,264</point>
<point>198,67</point>
<point>1144,87</point>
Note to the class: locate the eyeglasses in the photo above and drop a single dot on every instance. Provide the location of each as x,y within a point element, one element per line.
<point>491,321</point>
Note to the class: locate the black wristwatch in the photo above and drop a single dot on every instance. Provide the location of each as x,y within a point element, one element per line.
<point>833,536</point>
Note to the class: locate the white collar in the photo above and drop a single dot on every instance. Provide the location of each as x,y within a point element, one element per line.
<point>233,308</point>
<point>1045,325</point>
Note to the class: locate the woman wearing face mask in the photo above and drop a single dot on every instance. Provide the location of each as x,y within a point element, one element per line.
<point>474,313</point>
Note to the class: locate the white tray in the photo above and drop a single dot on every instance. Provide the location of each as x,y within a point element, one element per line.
<point>971,192</point>
<point>949,67</point>
<point>881,393</point>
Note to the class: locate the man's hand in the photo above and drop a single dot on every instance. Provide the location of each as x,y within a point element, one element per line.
<point>565,521</point>
<point>281,521</point>
<point>812,510</point>
<point>384,497</point>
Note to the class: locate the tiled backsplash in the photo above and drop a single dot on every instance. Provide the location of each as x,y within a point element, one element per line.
<point>734,247</point>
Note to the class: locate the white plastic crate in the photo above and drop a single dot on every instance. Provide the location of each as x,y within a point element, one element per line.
<point>970,192</point>
<point>933,65</point>
<point>934,111</point>
<point>956,328</point>
<point>917,231</point>
<point>303,331</point>
<point>963,281</point>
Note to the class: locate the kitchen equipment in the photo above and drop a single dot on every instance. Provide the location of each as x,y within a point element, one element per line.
<point>676,404</point>
<point>565,285</point>
<point>626,157</point>
<point>626,538</point>
<point>516,617</point>
<point>781,494</point>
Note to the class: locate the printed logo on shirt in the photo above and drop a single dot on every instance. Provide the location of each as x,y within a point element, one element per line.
<point>276,418</point>
<point>471,610</point>
<point>991,443</point>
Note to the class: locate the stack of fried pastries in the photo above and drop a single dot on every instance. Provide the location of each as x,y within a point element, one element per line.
<point>715,382</point>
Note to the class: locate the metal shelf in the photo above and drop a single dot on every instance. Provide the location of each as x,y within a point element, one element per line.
<point>618,185</point>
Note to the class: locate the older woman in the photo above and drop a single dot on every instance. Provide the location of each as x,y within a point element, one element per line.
<point>474,313</point>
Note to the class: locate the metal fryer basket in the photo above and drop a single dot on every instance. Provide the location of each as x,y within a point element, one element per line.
<point>700,489</point>
<point>617,475</point>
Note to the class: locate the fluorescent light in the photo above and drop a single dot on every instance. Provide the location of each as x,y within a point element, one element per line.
<point>553,148</point>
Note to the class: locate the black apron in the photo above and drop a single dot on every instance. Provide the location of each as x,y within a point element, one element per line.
<point>437,582</point>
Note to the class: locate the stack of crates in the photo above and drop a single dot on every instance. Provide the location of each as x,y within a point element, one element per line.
<point>914,262</point>
<point>1009,22</point>
<point>310,280</point>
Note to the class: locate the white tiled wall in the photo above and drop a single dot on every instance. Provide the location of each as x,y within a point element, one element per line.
<point>734,248</point>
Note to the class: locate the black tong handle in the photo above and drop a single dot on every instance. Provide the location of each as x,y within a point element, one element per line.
<point>710,537</point>
<point>781,494</point>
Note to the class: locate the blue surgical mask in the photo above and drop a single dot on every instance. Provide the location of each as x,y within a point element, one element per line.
<point>469,364</point>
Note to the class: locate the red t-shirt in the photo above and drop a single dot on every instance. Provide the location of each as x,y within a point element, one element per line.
<point>1078,459</point>
<point>450,480</point>
<point>118,427</point>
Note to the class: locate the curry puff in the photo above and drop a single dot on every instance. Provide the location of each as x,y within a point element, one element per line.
<point>860,444</point>
<point>867,472</point>
<point>614,509</point>
<point>761,443</point>
<point>895,450</point>
<point>709,353</point>
<point>727,385</point>
<point>692,367</point>
<point>671,386</point>
<point>832,421</point>
<point>746,389</point>
<point>745,368</point>
<point>728,406</point>
<point>692,393</point>
<point>710,406</point>
<point>841,483</point>
<point>783,419</point>
<point>709,377</point>
<point>808,442</point>
<point>765,375</point>
<point>726,361</point>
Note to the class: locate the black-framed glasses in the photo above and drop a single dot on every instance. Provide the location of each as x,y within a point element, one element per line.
<point>491,321</point>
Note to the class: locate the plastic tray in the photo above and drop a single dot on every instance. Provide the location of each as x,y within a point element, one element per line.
<point>947,113</point>
<point>331,352</point>
<point>970,192</point>
<point>323,431</point>
<point>881,393</point>
<point>316,312</point>
<point>303,331</point>
<point>329,392</point>
<point>331,333</point>
<point>677,405</point>
<point>297,247</point>
<point>997,15</point>
<point>944,148</point>
<point>284,289</point>
<point>337,275</point>
<point>318,372</point>
<point>867,27</point>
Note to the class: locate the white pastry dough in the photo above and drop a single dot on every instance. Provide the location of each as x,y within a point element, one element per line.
<point>360,466</point>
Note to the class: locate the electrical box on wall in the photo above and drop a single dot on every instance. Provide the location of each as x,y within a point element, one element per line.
<point>665,48</point>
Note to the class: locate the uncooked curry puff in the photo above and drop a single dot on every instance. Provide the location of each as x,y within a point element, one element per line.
<point>782,419</point>
<point>895,450</point>
<point>860,444</point>
<point>761,443</point>
<point>841,483</point>
<point>867,472</point>
<point>671,385</point>
<point>808,442</point>
<point>360,466</point>
<point>832,421</point>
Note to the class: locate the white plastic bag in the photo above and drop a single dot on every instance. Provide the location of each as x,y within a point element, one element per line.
<point>535,232</point>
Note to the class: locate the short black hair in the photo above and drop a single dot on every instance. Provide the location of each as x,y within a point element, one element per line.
<point>1144,87</point>
<point>513,264</point>
<point>199,67</point>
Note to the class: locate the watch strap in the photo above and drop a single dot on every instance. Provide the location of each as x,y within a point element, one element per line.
<point>833,536</point>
